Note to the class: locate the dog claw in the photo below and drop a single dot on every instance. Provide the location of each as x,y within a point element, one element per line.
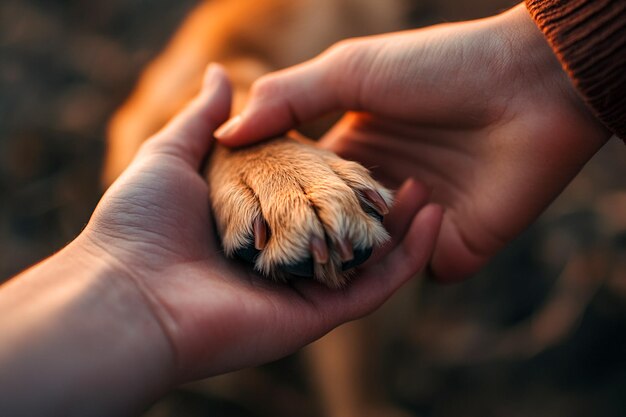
<point>260,233</point>
<point>319,250</point>
<point>374,198</point>
<point>344,247</point>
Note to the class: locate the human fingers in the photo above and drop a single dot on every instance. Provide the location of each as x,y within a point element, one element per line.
<point>376,283</point>
<point>282,100</point>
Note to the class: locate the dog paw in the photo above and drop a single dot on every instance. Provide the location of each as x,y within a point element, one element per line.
<point>293,209</point>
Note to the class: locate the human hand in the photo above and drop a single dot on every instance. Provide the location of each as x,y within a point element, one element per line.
<point>154,224</point>
<point>480,111</point>
<point>144,298</point>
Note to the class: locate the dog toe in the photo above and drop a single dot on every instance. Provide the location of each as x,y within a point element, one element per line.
<point>295,210</point>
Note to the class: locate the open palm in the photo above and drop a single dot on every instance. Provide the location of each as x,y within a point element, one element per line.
<point>155,224</point>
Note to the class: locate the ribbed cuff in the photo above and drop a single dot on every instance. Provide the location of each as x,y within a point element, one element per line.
<point>589,38</point>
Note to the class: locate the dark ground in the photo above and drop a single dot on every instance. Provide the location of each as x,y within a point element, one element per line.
<point>541,332</point>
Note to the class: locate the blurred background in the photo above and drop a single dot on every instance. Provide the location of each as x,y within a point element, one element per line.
<point>541,331</point>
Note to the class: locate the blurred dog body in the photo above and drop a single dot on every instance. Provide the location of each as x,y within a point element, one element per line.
<point>251,38</point>
<point>248,37</point>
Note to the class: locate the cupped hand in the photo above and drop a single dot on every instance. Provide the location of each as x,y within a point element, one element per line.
<point>154,225</point>
<point>481,112</point>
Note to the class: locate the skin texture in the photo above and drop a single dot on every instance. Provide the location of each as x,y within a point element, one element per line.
<point>144,298</point>
<point>481,112</point>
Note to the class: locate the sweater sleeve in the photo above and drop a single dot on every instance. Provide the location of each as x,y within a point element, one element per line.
<point>589,38</point>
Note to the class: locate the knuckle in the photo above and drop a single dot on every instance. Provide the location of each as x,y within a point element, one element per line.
<point>342,47</point>
<point>346,50</point>
<point>266,86</point>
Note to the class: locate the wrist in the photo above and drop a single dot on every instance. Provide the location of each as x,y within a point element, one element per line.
<point>586,36</point>
<point>531,56</point>
<point>77,333</point>
<point>139,355</point>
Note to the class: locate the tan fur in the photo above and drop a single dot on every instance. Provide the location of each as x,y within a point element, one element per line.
<point>301,191</point>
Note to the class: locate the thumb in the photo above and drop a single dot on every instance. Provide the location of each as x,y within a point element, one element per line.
<point>188,135</point>
<point>282,100</point>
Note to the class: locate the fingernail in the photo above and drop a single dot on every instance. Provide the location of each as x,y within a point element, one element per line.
<point>227,127</point>
<point>319,250</point>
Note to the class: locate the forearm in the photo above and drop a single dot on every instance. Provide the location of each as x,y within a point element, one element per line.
<point>76,341</point>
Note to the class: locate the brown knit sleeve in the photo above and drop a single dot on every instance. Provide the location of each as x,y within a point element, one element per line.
<point>589,38</point>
